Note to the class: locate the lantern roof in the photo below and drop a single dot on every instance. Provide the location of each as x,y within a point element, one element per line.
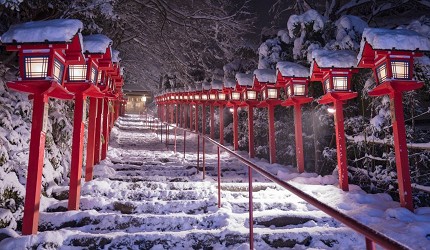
<point>397,39</point>
<point>50,31</point>
<point>244,79</point>
<point>229,83</point>
<point>291,69</point>
<point>217,84</point>
<point>265,75</point>
<point>206,85</point>
<point>96,44</point>
<point>334,58</point>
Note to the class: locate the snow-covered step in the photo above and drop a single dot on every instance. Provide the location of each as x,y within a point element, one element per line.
<point>96,222</point>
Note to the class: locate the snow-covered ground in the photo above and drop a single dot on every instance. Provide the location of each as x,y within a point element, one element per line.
<point>145,196</point>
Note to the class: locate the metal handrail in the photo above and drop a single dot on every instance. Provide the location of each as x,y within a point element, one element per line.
<point>371,235</point>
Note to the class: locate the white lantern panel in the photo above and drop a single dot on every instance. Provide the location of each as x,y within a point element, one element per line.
<point>400,69</point>
<point>272,93</point>
<point>94,74</point>
<point>77,72</point>
<point>204,97</point>
<point>340,82</point>
<point>212,96</point>
<point>299,89</point>
<point>235,96</point>
<point>58,71</point>
<point>251,94</point>
<point>221,96</point>
<point>36,67</point>
<point>381,73</point>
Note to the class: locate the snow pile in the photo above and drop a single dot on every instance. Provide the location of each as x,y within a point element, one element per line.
<point>420,26</point>
<point>284,36</point>
<point>309,17</point>
<point>265,75</point>
<point>115,56</point>
<point>335,58</point>
<point>292,69</point>
<point>349,30</point>
<point>269,53</point>
<point>229,83</point>
<point>96,44</point>
<point>399,39</point>
<point>57,30</point>
<point>217,84</point>
<point>244,79</point>
<point>206,85</point>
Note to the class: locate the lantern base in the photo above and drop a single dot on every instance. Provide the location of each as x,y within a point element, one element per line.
<point>251,103</point>
<point>337,96</point>
<point>85,89</point>
<point>42,87</point>
<point>235,103</point>
<point>296,100</point>
<point>395,85</point>
<point>267,103</point>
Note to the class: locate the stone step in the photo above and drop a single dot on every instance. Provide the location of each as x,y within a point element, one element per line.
<point>317,238</point>
<point>95,222</point>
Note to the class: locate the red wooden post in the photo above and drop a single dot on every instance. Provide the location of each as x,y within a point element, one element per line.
<point>401,150</point>
<point>212,122</point>
<point>203,119</point>
<point>221,124</point>
<point>175,139</point>
<point>77,148</point>
<point>92,116</point>
<point>272,143</point>
<point>235,128</point>
<point>105,129</point>
<point>191,117</point>
<point>342,164</point>
<point>98,135</point>
<point>185,140</point>
<point>198,151</point>
<point>251,131</point>
<point>299,138</point>
<point>35,165</point>
<point>196,119</point>
<point>370,245</point>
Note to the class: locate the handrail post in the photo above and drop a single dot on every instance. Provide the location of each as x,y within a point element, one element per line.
<point>198,151</point>
<point>185,140</point>
<point>370,245</point>
<point>204,166</point>
<point>219,178</point>
<point>251,210</point>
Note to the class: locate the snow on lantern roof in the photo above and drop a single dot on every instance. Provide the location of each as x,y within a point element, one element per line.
<point>217,84</point>
<point>206,85</point>
<point>229,83</point>
<point>115,56</point>
<point>265,75</point>
<point>334,58</point>
<point>399,39</point>
<point>244,79</point>
<point>96,44</point>
<point>290,69</point>
<point>56,30</point>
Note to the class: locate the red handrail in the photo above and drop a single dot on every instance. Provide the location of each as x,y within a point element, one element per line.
<point>371,235</point>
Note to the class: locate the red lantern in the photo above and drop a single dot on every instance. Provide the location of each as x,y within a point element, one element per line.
<point>390,54</point>
<point>295,78</point>
<point>41,48</point>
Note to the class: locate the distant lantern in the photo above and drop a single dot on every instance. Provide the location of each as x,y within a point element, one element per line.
<point>295,78</point>
<point>222,96</point>
<point>235,96</point>
<point>334,69</point>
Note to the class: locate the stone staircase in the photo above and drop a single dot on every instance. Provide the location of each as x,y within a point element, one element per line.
<point>147,197</point>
